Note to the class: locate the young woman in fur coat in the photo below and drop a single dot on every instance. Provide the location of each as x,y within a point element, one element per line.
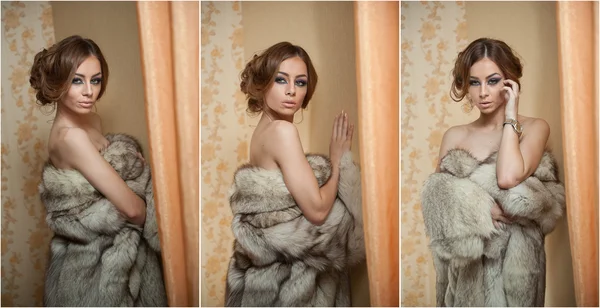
<point>297,220</point>
<point>93,191</point>
<point>495,193</point>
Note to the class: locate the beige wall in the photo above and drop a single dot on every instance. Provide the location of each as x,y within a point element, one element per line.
<point>113,26</point>
<point>532,33</point>
<point>432,34</point>
<point>326,31</point>
<point>26,29</point>
<point>224,138</point>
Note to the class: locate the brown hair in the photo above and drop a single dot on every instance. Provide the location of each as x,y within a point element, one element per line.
<point>495,50</point>
<point>53,68</point>
<point>260,73</point>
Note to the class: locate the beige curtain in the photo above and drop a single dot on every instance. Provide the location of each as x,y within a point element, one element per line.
<point>170,47</point>
<point>577,38</point>
<point>377,34</point>
<point>27,27</point>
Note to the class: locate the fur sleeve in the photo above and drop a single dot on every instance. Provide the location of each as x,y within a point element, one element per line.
<point>540,198</point>
<point>457,217</point>
<point>349,191</point>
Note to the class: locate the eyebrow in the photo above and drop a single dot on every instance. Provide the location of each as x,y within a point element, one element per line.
<point>95,75</point>
<point>288,75</point>
<point>488,77</point>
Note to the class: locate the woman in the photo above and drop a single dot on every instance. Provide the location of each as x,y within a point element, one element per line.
<point>72,75</point>
<point>92,210</point>
<point>299,205</point>
<point>503,153</point>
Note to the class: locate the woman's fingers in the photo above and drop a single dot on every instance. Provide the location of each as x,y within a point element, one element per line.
<point>345,126</point>
<point>335,125</point>
<point>350,132</point>
<point>340,125</point>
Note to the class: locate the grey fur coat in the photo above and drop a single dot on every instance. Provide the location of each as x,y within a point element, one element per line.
<point>279,257</point>
<point>97,258</point>
<point>477,264</point>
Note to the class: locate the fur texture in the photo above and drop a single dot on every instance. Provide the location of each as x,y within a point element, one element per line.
<point>97,258</point>
<point>279,257</point>
<point>477,264</point>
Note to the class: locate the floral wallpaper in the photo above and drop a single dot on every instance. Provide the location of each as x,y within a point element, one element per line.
<point>27,27</point>
<point>432,34</point>
<point>224,138</point>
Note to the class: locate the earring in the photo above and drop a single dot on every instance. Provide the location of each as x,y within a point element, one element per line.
<point>302,114</point>
<point>467,106</point>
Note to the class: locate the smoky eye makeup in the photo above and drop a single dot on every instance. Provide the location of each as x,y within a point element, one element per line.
<point>280,80</point>
<point>494,81</point>
<point>301,82</point>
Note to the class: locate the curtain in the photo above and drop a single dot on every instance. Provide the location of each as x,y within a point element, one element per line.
<point>170,48</point>
<point>577,38</point>
<point>377,34</point>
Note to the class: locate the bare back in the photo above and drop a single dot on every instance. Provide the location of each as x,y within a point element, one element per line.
<point>263,144</point>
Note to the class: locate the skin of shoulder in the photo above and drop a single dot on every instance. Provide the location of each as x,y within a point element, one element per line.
<point>286,149</point>
<point>76,149</point>
<point>451,138</point>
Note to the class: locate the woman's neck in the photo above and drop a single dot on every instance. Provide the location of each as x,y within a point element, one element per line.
<point>69,117</point>
<point>271,116</point>
<point>493,120</point>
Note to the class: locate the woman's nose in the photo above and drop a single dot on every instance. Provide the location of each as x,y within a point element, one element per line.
<point>87,89</point>
<point>484,92</point>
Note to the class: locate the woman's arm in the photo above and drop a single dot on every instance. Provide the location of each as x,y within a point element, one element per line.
<point>299,178</point>
<point>517,160</point>
<point>79,153</point>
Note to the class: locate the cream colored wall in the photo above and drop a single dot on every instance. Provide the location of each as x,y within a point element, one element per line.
<point>326,31</point>
<point>225,137</point>
<point>113,26</point>
<point>532,33</point>
<point>26,29</point>
<point>432,34</point>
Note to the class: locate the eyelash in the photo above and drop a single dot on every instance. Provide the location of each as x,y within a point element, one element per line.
<point>299,83</point>
<point>94,81</point>
<point>492,81</point>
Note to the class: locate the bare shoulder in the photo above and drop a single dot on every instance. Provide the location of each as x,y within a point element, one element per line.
<point>454,135</point>
<point>537,125</point>
<point>73,140</point>
<point>536,131</point>
<point>281,132</point>
<point>281,138</point>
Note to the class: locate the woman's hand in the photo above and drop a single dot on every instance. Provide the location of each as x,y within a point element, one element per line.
<point>511,95</point>
<point>341,138</point>
<point>498,216</point>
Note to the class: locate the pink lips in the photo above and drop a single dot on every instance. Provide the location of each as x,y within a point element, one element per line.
<point>289,104</point>
<point>485,104</point>
<point>86,104</point>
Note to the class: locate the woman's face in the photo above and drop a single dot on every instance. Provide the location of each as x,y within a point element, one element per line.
<point>85,87</point>
<point>286,94</point>
<point>485,85</point>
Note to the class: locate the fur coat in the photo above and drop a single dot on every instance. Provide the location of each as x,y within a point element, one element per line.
<point>477,264</point>
<point>279,257</point>
<point>97,258</point>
